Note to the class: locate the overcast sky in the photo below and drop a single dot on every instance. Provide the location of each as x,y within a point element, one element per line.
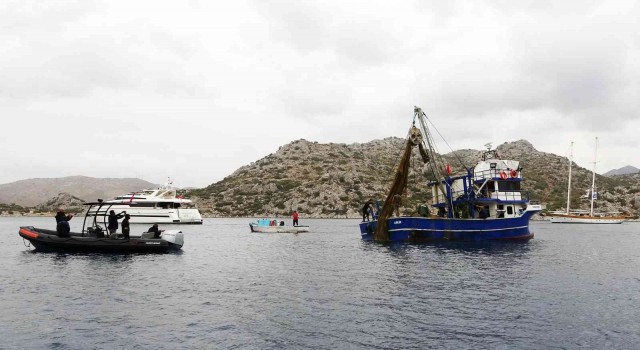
<point>195,89</point>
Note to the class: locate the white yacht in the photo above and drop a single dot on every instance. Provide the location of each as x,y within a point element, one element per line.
<point>161,205</point>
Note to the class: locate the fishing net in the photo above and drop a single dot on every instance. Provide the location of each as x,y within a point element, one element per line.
<point>398,186</point>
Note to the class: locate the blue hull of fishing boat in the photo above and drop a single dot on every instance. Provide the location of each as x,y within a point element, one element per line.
<point>419,229</point>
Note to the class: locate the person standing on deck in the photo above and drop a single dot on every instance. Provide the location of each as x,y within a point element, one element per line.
<point>367,209</point>
<point>113,221</point>
<point>295,218</point>
<point>397,201</point>
<point>125,226</point>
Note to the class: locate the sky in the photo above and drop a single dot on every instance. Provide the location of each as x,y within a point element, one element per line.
<point>193,90</point>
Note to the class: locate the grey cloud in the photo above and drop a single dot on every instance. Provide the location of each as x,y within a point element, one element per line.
<point>355,32</point>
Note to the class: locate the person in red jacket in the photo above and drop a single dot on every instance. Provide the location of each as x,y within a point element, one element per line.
<point>295,218</point>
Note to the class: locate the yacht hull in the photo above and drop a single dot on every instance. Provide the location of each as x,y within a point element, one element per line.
<point>584,220</point>
<point>156,215</point>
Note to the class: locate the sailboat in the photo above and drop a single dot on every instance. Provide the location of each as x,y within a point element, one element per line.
<point>582,216</point>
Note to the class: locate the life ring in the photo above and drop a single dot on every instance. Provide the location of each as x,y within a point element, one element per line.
<point>514,173</point>
<point>503,175</point>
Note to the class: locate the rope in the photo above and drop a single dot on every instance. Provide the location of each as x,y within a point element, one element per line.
<point>445,142</point>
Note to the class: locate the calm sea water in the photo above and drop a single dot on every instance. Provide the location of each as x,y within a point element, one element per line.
<point>573,286</point>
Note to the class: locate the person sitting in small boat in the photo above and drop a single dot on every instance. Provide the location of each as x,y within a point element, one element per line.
<point>62,223</point>
<point>156,231</point>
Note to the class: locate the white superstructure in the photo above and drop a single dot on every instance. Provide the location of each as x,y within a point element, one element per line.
<point>161,205</point>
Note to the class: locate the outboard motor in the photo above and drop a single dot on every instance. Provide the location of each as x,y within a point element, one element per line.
<point>173,236</point>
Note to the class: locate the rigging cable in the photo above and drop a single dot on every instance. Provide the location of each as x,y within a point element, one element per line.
<point>446,143</point>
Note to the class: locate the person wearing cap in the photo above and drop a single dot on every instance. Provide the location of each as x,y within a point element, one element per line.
<point>62,223</point>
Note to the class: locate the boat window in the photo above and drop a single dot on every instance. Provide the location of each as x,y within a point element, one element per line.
<point>508,186</point>
<point>509,210</point>
<point>141,205</point>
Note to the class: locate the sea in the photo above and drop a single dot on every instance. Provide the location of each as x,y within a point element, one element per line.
<point>571,287</point>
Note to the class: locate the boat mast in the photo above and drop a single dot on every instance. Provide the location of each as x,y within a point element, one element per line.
<point>569,186</point>
<point>593,180</point>
<point>436,164</point>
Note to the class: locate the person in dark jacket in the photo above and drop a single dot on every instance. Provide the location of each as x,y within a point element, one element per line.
<point>125,226</point>
<point>62,223</point>
<point>156,231</point>
<point>113,221</point>
<point>367,209</point>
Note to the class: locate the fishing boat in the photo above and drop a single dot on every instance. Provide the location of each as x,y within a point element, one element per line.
<point>483,203</point>
<point>273,226</point>
<point>160,205</point>
<point>583,216</point>
<point>92,238</point>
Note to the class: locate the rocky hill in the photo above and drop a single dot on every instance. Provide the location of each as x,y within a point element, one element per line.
<point>626,170</point>
<point>36,192</point>
<point>333,180</point>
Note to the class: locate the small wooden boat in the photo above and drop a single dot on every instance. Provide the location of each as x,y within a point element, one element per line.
<point>272,226</point>
<point>92,239</point>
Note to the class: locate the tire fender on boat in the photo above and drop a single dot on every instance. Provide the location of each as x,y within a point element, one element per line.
<point>514,173</point>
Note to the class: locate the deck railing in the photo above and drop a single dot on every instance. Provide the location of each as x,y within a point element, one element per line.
<point>494,173</point>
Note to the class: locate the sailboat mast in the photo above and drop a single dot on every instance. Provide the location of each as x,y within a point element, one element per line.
<point>569,186</point>
<point>593,181</point>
